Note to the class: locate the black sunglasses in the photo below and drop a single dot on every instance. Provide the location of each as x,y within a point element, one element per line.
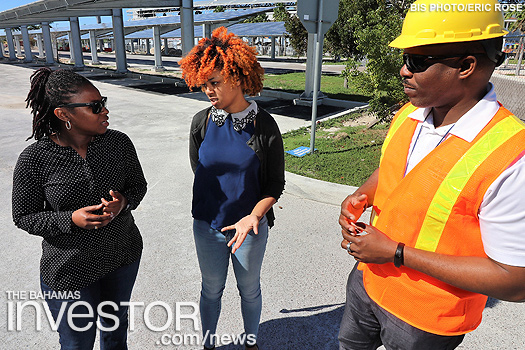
<point>420,63</point>
<point>96,106</point>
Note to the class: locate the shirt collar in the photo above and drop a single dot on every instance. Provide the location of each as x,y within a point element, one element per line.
<point>472,122</point>
<point>239,120</point>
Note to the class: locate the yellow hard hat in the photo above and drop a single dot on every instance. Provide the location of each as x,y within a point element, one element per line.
<point>438,22</point>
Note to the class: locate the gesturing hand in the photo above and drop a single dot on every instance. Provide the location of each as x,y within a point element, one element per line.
<point>86,219</point>
<point>351,210</point>
<point>115,206</point>
<point>369,245</point>
<point>242,228</point>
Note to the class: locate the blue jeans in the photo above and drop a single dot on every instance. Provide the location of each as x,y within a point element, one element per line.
<point>115,287</point>
<point>214,256</point>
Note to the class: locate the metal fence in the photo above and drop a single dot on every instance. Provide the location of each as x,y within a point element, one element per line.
<point>509,78</point>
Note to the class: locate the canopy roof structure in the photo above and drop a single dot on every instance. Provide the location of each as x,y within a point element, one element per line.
<point>239,3</point>
<point>167,23</point>
<point>43,12</point>
<point>62,10</point>
<point>266,29</point>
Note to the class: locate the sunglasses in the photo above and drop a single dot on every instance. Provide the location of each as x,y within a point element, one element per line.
<point>96,106</point>
<point>420,63</point>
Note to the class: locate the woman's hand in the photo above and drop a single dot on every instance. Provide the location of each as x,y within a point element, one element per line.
<point>86,219</point>
<point>242,228</point>
<point>115,206</point>
<point>369,245</point>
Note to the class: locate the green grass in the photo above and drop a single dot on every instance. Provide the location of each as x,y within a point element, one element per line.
<point>345,154</point>
<point>331,85</point>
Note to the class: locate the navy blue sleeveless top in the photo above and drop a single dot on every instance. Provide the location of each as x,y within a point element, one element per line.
<point>226,186</point>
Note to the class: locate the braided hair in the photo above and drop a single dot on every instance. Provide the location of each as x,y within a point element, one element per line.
<point>236,60</point>
<point>50,89</point>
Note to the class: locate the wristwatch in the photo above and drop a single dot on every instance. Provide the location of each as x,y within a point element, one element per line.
<point>398,256</point>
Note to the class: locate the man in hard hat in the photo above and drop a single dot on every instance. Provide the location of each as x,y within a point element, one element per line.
<point>448,198</point>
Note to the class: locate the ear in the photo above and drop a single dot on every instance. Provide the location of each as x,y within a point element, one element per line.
<point>61,114</point>
<point>468,66</point>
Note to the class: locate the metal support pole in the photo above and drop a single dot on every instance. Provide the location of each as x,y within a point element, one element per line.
<point>157,48</point>
<point>120,45</point>
<point>310,67</point>
<point>75,42</point>
<point>48,45</point>
<point>317,75</point>
<point>187,30</point>
<point>148,47</point>
<point>519,56</point>
<point>166,46</point>
<point>10,44</point>
<point>93,47</point>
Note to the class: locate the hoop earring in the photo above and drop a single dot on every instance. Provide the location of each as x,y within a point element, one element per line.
<point>68,125</point>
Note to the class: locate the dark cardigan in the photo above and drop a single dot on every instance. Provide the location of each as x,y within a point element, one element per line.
<point>267,144</point>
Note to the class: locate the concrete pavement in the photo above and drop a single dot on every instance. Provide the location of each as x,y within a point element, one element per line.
<point>304,272</point>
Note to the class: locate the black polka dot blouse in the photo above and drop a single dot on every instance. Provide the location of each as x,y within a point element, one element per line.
<point>50,182</point>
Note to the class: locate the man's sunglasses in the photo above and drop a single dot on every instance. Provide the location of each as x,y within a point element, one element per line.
<point>420,63</point>
<point>96,106</point>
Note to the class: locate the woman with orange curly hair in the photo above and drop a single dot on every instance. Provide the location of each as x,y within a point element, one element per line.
<point>236,153</point>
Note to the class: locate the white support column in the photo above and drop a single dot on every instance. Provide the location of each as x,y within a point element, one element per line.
<point>2,51</point>
<point>27,44</point>
<point>148,47</point>
<point>17,45</point>
<point>156,46</point>
<point>272,52</point>
<point>39,45</point>
<point>10,44</point>
<point>71,51</point>
<point>187,30</point>
<point>166,46</point>
<point>75,42</point>
<point>101,41</point>
<point>206,30</point>
<point>93,47</point>
<point>48,45</point>
<point>120,45</point>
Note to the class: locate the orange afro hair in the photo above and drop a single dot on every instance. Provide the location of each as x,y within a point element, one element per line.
<point>228,53</point>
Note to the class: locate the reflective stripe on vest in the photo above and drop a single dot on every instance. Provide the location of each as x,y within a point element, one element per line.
<point>447,194</point>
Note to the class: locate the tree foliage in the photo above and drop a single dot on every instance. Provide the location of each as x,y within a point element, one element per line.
<point>261,17</point>
<point>279,13</point>
<point>298,35</point>
<point>374,28</point>
<point>340,40</point>
<point>219,8</point>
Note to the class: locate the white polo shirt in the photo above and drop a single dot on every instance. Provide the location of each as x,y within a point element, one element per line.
<point>502,211</point>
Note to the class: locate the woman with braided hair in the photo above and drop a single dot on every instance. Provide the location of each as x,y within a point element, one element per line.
<point>236,153</point>
<point>75,187</point>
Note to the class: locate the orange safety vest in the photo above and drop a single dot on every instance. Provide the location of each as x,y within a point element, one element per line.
<point>435,208</point>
